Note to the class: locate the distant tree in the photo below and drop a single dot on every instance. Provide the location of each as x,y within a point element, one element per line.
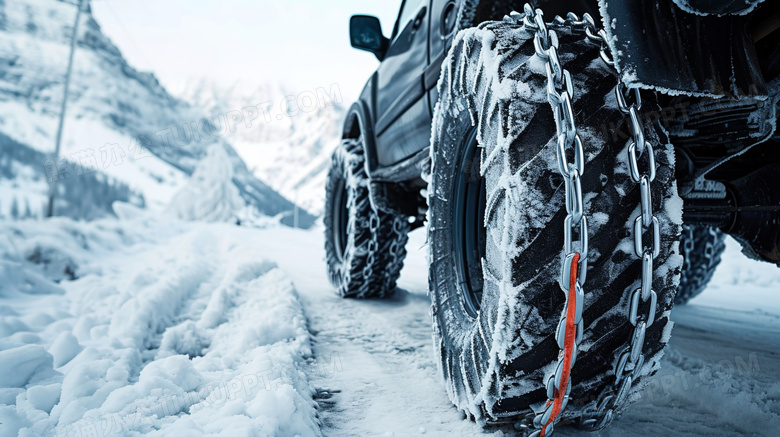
<point>27,213</point>
<point>15,209</point>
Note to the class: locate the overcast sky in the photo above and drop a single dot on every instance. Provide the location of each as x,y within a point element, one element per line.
<point>303,44</point>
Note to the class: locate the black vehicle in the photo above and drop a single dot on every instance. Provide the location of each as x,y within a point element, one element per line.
<point>578,176</point>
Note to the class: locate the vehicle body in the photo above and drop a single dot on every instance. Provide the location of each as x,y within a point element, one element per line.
<point>455,129</point>
<point>394,111</point>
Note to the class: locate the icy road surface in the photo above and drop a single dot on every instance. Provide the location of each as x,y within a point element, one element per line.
<point>146,326</point>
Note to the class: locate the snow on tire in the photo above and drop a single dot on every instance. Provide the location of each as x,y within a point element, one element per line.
<point>702,247</point>
<point>364,248</point>
<point>495,362</point>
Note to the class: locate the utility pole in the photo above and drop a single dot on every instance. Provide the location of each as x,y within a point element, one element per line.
<point>74,37</point>
<point>295,213</point>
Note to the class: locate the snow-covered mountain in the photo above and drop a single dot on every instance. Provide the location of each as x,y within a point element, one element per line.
<point>120,122</point>
<point>289,143</point>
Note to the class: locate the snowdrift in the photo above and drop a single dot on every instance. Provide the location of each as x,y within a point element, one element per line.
<point>148,326</point>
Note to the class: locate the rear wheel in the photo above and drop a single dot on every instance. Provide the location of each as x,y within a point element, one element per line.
<point>702,247</point>
<point>496,220</point>
<point>364,247</point>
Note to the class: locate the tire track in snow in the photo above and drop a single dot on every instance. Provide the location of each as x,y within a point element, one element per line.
<point>375,371</point>
<point>171,286</point>
<point>184,332</point>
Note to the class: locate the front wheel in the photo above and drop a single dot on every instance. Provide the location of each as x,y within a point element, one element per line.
<point>364,247</point>
<point>496,223</point>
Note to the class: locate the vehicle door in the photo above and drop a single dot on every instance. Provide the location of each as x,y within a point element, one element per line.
<point>403,114</point>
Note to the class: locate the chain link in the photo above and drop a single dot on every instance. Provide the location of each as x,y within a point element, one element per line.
<point>399,229</point>
<point>373,245</point>
<point>697,262</point>
<point>629,359</point>
<point>571,164</point>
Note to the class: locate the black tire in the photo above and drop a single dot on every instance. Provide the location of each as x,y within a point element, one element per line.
<point>494,364</point>
<point>364,248</point>
<point>702,247</point>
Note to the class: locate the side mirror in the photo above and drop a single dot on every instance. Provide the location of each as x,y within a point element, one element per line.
<point>365,33</point>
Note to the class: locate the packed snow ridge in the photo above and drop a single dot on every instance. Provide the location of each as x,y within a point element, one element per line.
<point>148,326</point>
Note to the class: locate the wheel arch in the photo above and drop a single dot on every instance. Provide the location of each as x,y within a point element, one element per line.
<point>474,12</point>
<point>358,124</point>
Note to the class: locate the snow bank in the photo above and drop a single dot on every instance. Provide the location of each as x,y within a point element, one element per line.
<point>19,365</point>
<point>162,328</point>
<point>742,284</point>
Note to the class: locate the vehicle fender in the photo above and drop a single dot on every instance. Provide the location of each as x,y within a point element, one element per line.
<point>473,12</point>
<point>718,7</point>
<point>359,123</point>
<point>658,46</point>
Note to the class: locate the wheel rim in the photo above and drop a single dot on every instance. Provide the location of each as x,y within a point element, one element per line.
<point>340,218</point>
<point>469,234</point>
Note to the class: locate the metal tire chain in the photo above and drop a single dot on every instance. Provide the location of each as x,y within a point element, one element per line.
<point>559,92</point>
<point>396,248</point>
<point>357,168</point>
<point>692,278</point>
<point>630,358</point>
<point>710,251</point>
<point>372,246</point>
<point>570,327</point>
<point>354,169</point>
<point>687,247</point>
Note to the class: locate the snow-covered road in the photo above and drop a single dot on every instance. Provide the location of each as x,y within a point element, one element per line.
<point>105,351</point>
<point>720,377</point>
<point>386,382</point>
